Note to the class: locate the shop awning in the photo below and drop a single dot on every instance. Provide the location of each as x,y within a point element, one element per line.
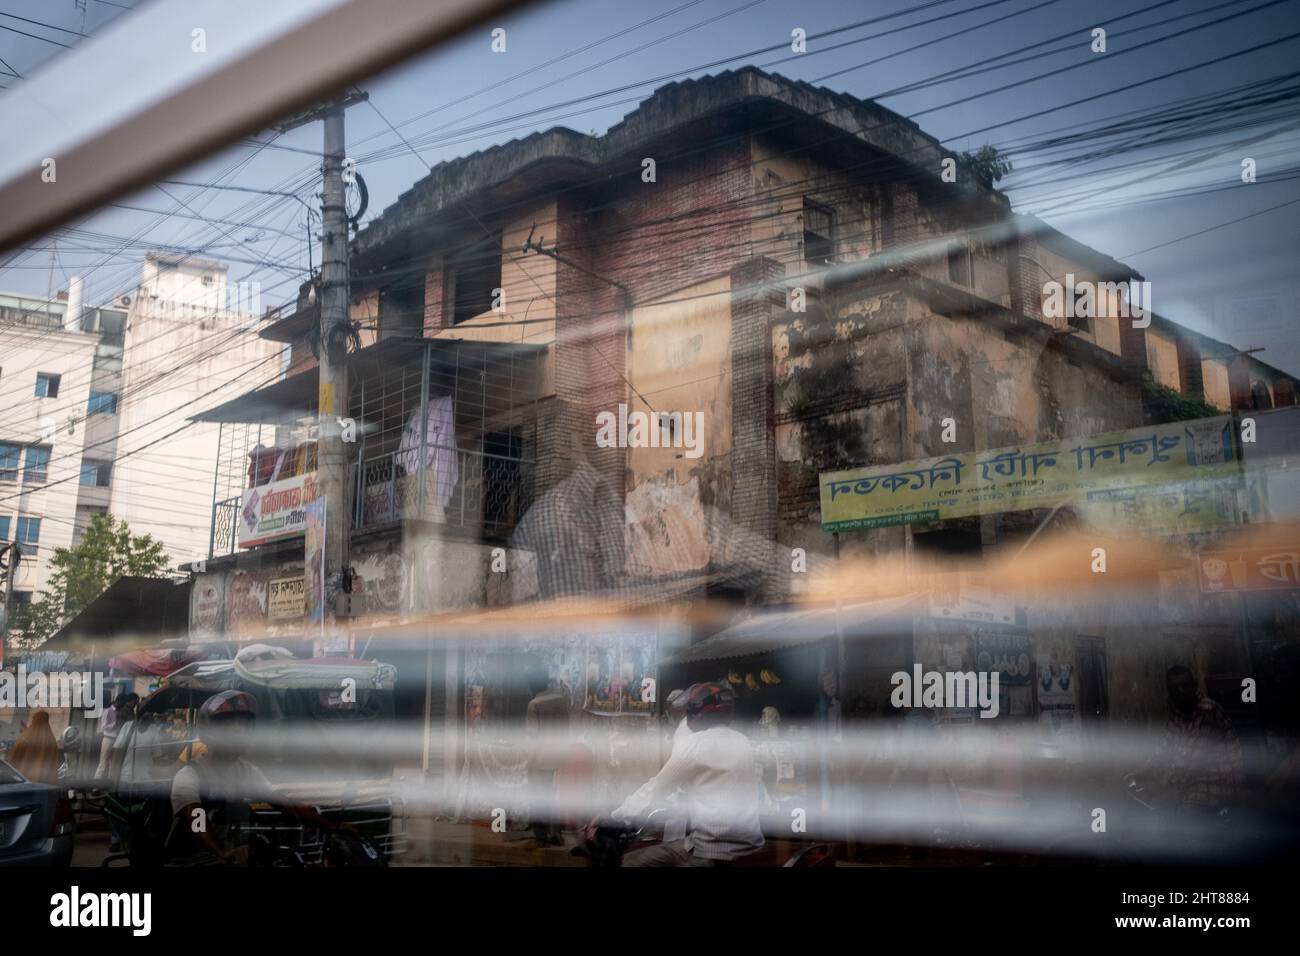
<point>132,612</point>
<point>778,631</point>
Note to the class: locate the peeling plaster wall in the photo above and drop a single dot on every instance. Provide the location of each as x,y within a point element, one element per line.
<point>1004,391</point>
<point>841,374</point>
<point>1214,373</point>
<point>680,362</point>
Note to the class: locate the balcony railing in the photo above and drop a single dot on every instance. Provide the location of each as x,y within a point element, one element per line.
<point>464,489</point>
<point>225,527</point>
<point>483,493</point>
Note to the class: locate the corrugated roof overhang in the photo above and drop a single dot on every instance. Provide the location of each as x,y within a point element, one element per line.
<point>788,629</point>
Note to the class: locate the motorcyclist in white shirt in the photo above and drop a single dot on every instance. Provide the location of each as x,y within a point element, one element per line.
<point>714,767</point>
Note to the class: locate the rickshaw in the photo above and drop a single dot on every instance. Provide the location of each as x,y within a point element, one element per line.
<point>320,741</point>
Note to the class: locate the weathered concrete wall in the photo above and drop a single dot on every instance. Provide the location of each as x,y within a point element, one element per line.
<point>1162,357</point>
<point>1004,391</point>
<point>1214,373</point>
<point>841,373</point>
<point>680,361</point>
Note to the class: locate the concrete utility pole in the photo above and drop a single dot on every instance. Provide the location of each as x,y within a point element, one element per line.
<point>331,459</point>
<point>335,319</point>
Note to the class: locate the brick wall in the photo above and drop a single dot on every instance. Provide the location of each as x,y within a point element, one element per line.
<point>1132,344</point>
<point>1190,379</point>
<point>1283,392</point>
<point>1239,381</point>
<point>756,295</point>
<point>653,238</point>
<point>433,299</point>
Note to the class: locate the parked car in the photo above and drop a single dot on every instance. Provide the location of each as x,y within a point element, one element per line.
<point>36,822</point>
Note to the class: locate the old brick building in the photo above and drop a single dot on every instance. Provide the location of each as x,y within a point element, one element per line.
<point>788,261</point>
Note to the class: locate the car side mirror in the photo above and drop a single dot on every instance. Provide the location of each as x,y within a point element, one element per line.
<point>71,740</point>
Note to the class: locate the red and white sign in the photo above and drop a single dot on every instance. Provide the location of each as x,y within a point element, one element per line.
<point>276,510</point>
<point>1250,569</point>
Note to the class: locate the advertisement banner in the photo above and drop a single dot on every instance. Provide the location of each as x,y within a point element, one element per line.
<point>276,510</point>
<point>1250,569</point>
<point>314,564</point>
<point>1180,476</point>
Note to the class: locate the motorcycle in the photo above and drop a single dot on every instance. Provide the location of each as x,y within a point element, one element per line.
<point>605,843</point>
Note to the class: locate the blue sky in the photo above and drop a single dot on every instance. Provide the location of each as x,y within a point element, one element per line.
<point>1238,282</point>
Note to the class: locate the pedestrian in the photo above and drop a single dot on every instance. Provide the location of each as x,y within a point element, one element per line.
<point>35,753</point>
<point>546,727</point>
<point>108,724</point>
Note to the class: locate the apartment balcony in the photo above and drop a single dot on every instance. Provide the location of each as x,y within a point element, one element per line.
<point>444,435</point>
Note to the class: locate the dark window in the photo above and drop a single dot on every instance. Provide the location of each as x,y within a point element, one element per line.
<point>955,538</point>
<point>4,528</point>
<point>29,531</point>
<point>959,265</point>
<point>47,385</point>
<point>96,473</point>
<point>401,312</point>
<point>103,403</point>
<point>9,455</point>
<point>38,464</point>
<point>474,279</point>
<point>818,233</point>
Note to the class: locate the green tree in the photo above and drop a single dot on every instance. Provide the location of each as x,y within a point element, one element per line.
<point>107,551</point>
<point>986,163</point>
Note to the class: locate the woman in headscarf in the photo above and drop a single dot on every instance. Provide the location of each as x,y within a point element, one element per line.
<point>35,753</point>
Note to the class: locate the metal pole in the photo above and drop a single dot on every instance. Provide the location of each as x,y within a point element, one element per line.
<point>15,556</point>
<point>331,460</point>
<point>421,467</point>
<point>216,469</point>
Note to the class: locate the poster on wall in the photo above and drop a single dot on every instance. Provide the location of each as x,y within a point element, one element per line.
<point>1006,652</point>
<point>618,666</point>
<point>284,599</point>
<point>610,674</point>
<point>1055,677</point>
<point>563,659</point>
<point>314,566</point>
<point>207,608</point>
<point>246,602</point>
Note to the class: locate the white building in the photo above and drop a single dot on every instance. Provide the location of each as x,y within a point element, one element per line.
<point>191,343</point>
<point>60,369</point>
<point>98,404</point>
